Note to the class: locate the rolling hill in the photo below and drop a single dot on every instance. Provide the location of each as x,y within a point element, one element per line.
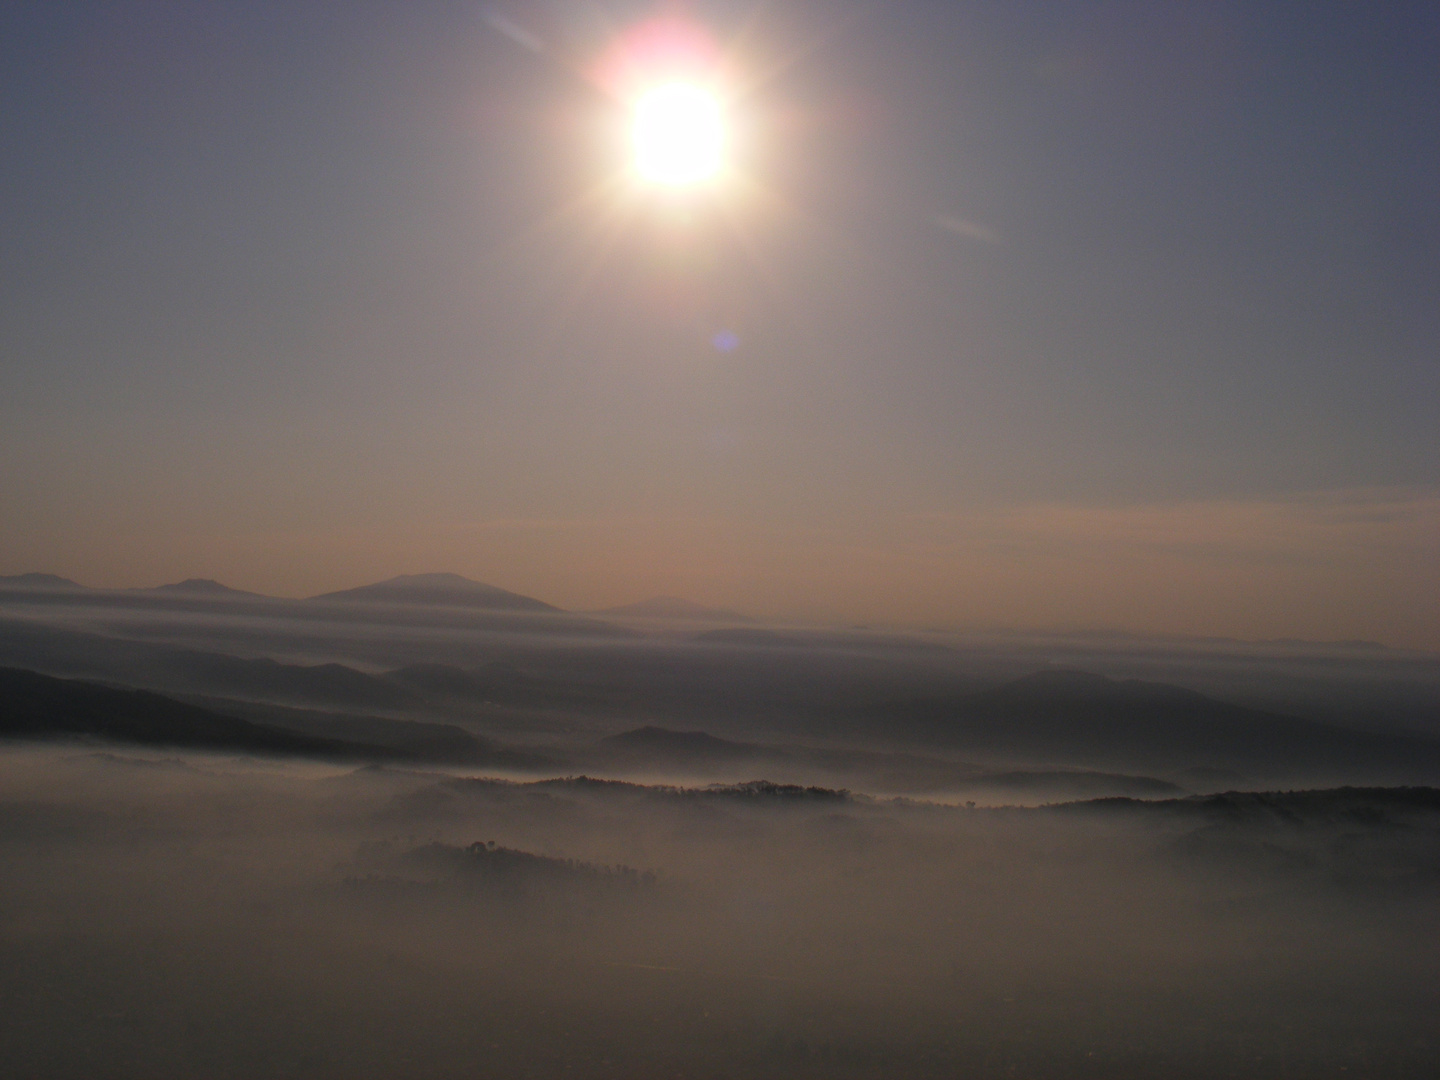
<point>39,582</point>
<point>1086,719</point>
<point>38,707</point>
<point>437,590</point>
<point>207,588</point>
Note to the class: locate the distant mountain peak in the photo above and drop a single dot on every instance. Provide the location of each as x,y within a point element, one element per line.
<point>439,577</point>
<point>39,581</point>
<point>674,607</point>
<point>437,590</point>
<point>202,587</point>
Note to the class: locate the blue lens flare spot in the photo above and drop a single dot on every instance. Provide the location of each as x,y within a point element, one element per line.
<point>726,341</point>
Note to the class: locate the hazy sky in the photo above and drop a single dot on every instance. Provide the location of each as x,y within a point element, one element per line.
<point>1115,314</point>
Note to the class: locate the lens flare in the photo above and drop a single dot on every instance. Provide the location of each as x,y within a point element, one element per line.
<point>678,134</point>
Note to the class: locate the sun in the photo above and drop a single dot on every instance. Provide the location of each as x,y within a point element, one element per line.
<point>678,134</point>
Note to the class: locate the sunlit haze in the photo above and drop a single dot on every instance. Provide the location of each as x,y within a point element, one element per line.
<point>930,315</point>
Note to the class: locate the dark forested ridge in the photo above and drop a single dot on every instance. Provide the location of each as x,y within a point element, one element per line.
<point>169,668</point>
<point>438,668</point>
<point>1089,719</point>
<point>42,708</point>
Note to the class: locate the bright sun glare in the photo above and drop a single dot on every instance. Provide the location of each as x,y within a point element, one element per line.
<point>678,133</point>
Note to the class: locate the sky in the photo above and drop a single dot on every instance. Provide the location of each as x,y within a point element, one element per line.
<point>1088,314</point>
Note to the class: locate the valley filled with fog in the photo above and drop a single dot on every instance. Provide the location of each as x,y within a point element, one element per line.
<point>437,829</point>
<point>191,915</point>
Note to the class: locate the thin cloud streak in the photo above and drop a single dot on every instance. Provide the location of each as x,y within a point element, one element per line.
<point>512,30</point>
<point>969,229</point>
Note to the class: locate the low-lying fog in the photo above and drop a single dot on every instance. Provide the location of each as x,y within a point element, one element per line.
<point>174,914</point>
<point>433,888</point>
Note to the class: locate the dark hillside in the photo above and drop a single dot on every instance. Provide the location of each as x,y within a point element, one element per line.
<point>38,707</point>
<point>1081,718</point>
<point>174,669</point>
